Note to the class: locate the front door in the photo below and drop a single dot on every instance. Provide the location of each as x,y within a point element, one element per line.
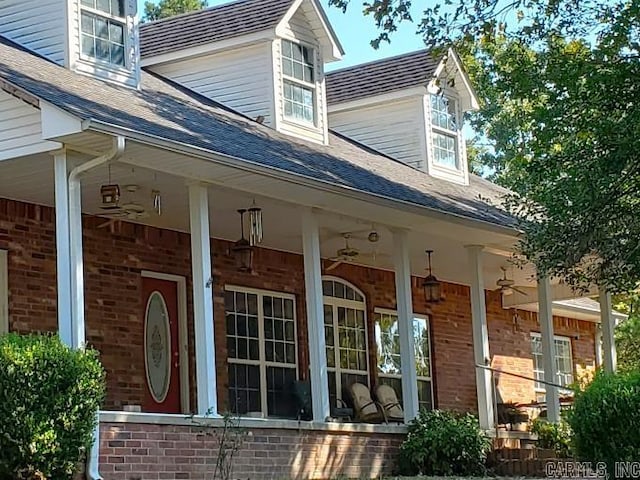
<point>161,346</point>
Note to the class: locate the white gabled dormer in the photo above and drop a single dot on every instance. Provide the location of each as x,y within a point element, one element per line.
<point>270,66</point>
<point>93,37</point>
<point>409,107</point>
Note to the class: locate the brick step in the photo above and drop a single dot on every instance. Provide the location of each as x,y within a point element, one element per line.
<point>517,462</point>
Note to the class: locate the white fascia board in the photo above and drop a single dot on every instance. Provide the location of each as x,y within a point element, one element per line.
<point>418,91</point>
<point>560,310</point>
<point>335,50</point>
<point>57,123</point>
<point>212,47</point>
<point>467,93</point>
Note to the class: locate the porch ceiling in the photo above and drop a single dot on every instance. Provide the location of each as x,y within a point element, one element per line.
<point>31,179</point>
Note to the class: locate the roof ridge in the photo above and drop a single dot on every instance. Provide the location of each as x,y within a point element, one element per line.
<point>379,60</point>
<point>195,13</point>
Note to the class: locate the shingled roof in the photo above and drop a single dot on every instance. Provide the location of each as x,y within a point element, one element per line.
<point>164,110</point>
<point>210,25</point>
<point>380,76</point>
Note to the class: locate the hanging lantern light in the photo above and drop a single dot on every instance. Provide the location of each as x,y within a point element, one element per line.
<point>255,225</point>
<point>242,249</point>
<point>431,285</point>
<point>110,194</point>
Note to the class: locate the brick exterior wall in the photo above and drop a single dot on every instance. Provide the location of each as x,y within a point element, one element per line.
<point>134,451</point>
<point>114,259</point>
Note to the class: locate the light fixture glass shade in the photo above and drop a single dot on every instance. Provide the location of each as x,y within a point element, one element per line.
<point>432,289</point>
<point>431,285</point>
<point>243,253</point>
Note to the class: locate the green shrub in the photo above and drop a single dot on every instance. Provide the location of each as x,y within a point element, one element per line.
<point>605,420</point>
<point>443,443</point>
<point>553,436</point>
<point>49,397</point>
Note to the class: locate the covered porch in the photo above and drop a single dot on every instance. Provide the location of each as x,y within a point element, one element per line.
<point>243,336</point>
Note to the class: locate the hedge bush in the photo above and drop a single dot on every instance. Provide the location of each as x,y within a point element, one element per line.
<point>444,443</point>
<point>49,397</point>
<point>605,420</point>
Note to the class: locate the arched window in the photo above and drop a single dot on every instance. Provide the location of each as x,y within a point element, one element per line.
<point>345,331</point>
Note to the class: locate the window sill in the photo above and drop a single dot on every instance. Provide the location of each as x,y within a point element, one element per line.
<point>251,423</point>
<point>310,127</point>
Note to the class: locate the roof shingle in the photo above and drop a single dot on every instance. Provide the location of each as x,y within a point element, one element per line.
<point>164,110</point>
<point>210,25</point>
<point>380,76</point>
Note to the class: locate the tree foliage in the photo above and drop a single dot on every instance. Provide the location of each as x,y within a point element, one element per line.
<point>557,81</point>
<point>169,8</point>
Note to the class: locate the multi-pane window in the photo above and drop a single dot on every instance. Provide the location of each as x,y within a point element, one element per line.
<point>298,69</point>
<point>102,30</point>
<point>261,352</point>
<point>345,332</point>
<point>563,361</point>
<point>444,131</point>
<point>388,355</point>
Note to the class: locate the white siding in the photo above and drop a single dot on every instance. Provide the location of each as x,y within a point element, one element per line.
<point>241,78</point>
<point>299,29</point>
<point>396,128</point>
<point>20,129</point>
<point>36,24</point>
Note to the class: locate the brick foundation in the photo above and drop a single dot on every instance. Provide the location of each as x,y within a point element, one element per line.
<point>114,259</point>
<point>136,451</point>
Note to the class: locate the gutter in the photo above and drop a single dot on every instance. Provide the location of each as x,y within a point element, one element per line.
<point>242,164</point>
<point>77,280</point>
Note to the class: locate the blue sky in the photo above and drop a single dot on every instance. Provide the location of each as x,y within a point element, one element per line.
<point>355,31</point>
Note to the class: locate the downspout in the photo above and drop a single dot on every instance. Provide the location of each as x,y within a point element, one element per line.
<point>77,274</point>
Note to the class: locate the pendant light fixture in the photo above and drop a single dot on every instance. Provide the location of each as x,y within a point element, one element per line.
<point>110,194</point>
<point>242,249</point>
<point>431,285</point>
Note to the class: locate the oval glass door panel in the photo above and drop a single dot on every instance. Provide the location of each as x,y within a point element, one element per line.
<point>157,347</point>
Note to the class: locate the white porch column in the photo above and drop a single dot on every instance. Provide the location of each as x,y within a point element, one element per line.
<point>484,388</point>
<point>63,248</point>
<point>76,262</point>
<point>315,316</point>
<point>405,324</point>
<point>609,359</point>
<point>545,316</point>
<point>202,301</point>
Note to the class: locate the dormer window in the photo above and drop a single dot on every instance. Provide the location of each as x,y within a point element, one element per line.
<point>298,69</point>
<point>444,128</point>
<point>103,31</point>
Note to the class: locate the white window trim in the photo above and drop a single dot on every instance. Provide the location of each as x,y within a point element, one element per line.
<point>455,134</point>
<point>555,337</point>
<point>4,292</point>
<point>262,362</point>
<point>387,311</point>
<point>86,59</point>
<point>311,126</point>
<point>336,302</point>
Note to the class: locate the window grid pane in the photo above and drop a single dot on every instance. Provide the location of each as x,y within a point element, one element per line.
<point>443,112</point>
<point>298,102</point>
<point>297,61</point>
<point>102,38</point>
<point>244,337</point>
<point>563,361</point>
<point>444,150</point>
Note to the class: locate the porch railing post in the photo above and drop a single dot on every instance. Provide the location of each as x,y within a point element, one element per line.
<point>545,315</point>
<point>405,323</point>
<point>609,359</point>
<point>315,316</point>
<point>63,248</point>
<point>207,400</point>
<point>484,389</point>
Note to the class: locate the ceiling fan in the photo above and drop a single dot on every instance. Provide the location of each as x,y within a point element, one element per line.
<point>506,286</point>
<point>131,210</point>
<point>344,255</point>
